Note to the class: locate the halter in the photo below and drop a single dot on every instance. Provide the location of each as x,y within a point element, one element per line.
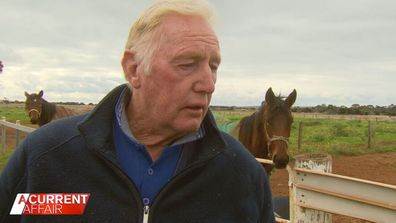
<point>35,110</point>
<point>274,138</point>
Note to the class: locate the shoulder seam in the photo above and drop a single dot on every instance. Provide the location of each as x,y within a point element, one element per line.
<point>52,149</point>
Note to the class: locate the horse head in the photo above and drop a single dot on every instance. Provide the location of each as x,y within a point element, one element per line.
<point>277,125</point>
<point>33,105</point>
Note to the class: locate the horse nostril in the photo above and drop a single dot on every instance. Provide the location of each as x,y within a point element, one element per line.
<point>281,162</point>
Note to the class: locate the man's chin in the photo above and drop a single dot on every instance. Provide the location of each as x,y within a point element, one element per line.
<point>190,126</point>
<point>189,122</point>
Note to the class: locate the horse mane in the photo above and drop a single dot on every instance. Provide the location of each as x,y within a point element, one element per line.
<point>47,112</point>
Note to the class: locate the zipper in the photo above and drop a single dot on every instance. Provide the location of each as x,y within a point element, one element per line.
<point>133,188</point>
<point>146,208</point>
<point>146,211</point>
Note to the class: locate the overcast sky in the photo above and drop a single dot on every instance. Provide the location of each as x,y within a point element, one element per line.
<point>330,51</point>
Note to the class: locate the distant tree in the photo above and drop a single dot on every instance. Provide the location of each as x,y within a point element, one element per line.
<point>343,110</point>
<point>1,67</point>
<point>331,109</point>
<point>320,108</point>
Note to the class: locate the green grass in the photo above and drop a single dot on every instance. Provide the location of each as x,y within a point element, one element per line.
<point>346,137</point>
<point>14,112</point>
<point>335,137</point>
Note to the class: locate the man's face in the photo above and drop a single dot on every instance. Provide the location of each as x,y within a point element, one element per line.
<point>179,87</point>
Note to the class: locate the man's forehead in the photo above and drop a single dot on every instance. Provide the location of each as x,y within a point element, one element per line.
<point>176,24</point>
<point>188,36</point>
<point>180,33</point>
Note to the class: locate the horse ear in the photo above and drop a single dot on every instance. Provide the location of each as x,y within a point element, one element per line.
<point>269,96</point>
<point>291,98</point>
<point>40,94</point>
<point>26,94</point>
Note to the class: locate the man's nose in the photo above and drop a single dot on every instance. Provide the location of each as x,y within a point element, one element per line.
<point>206,80</point>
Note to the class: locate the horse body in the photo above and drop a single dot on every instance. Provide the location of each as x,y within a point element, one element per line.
<point>41,111</point>
<point>266,132</point>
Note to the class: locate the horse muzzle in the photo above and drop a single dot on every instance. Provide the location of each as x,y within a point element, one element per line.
<point>280,162</point>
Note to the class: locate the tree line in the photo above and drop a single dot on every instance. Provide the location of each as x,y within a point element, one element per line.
<point>354,109</point>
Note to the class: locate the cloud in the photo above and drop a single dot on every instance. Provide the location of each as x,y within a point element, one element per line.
<point>332,52</point>
<point>68,76</point>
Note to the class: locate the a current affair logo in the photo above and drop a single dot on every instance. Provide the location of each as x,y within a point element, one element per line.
<point>50,204</point>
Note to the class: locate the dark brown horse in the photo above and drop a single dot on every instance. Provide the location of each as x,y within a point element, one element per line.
<point>41,111</point>
<point>266,132</point>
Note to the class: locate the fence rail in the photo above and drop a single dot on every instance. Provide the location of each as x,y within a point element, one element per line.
<point>338,194</point>
<point>4,124</point>
<point>343,195</point>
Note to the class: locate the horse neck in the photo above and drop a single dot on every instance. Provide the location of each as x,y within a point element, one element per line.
<point>261,130</point>
<point>252,135</point>
<point>47,112</point>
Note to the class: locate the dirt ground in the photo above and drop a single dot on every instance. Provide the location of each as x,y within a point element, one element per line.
<point>380,167</point>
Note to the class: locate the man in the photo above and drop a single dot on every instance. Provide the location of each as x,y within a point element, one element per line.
<point>150,151</point>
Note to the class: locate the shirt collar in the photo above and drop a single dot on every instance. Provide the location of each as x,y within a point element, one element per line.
<point>122,121</point>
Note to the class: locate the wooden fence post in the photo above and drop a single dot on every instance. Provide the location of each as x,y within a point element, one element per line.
<point>300,132</point>
<point>3,136</point>
<point>317,162</point>
<point>370,135</point>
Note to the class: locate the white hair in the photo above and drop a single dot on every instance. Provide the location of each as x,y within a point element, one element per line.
<point>144,35</point>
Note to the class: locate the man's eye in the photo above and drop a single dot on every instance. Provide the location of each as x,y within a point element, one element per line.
<point>186,66</point>
<point>214,67</point>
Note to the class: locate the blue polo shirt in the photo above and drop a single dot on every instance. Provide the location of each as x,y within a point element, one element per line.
<point>148,176</point>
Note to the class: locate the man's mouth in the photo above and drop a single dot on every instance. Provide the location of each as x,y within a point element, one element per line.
<point>195,108</point>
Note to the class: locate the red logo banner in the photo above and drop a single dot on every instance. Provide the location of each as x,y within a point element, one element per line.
<point>50,204</point>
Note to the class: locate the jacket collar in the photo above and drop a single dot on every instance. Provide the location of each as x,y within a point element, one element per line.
<point>97,130</point>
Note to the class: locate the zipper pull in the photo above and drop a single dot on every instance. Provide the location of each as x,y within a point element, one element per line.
<point>146,210</point>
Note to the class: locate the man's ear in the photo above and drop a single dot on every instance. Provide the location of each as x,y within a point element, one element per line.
<point>129,65</point>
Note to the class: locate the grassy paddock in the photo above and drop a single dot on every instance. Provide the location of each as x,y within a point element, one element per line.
<point>14,112</point>
<point>333,136</point>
